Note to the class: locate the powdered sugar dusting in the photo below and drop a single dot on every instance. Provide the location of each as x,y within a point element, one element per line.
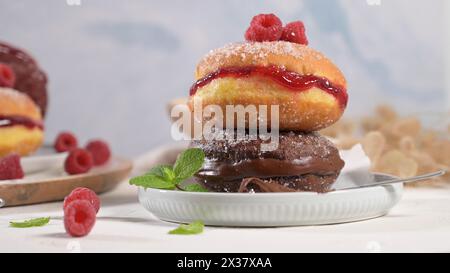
<point>258,51</point>
<point>292,146</point>
<point>22,101</point>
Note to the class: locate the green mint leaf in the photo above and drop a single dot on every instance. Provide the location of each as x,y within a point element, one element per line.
<point>167,177</point>
<point>164,171</point>
<point>169,174</point>
<point>188,229</point>
<point>159,170</point>
<point>195,188</point>
<point>37,222</point>
<point>152,181</point>
<point>188,163</point>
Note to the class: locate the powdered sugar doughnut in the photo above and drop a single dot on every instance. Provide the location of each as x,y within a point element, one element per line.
<point>309,89</point>
<point>21,127</point>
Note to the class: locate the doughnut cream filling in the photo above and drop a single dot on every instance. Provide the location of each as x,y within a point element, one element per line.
<point>289,79</point>
<point>13,120</point>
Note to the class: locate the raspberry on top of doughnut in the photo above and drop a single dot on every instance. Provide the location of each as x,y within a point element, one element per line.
<point>274,66</point>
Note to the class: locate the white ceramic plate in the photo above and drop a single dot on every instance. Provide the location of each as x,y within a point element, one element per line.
<point>46,158</point>
<point>272,209</point>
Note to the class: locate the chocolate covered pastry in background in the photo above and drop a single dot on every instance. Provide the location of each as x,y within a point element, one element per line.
<point>30,79</point>
<point>398,145</point>
<point>274,66</point>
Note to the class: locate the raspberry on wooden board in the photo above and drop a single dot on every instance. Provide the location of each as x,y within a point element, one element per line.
<point>10,167</point>
<point>65,141</point>
<point>79,161</point>
<point>100,151</point>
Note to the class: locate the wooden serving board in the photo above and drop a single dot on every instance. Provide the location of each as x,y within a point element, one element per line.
<point>55,184</point>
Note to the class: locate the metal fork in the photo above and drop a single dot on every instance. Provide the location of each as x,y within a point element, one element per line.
<point>389,180</point>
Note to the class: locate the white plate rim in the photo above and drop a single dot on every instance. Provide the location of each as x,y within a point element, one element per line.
<point>158,202</point>
<point>266,194</point>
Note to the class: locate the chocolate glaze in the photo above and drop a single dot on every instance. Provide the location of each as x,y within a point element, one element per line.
<point>309,182</point>
<point>30,79</point>
<point>269,167</point>
<point>256,184</point>
<point>302,162</point>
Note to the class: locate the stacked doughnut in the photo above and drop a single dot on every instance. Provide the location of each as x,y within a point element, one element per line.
<point>273,67</point>
<point>23,101</point>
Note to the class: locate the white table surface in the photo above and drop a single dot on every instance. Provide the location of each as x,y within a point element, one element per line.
<point>420,222</point>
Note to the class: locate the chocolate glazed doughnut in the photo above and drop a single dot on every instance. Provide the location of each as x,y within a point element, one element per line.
<point>30,79</point>
<point>302,162</point>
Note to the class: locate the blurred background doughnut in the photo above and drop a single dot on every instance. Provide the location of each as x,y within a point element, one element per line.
<point>21,126</point>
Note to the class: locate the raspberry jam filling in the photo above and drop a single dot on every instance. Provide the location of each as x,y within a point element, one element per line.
<point>6,121</point>
<point>289,79</point>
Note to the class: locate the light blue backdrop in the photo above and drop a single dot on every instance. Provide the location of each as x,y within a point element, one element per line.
<point>113,65</point>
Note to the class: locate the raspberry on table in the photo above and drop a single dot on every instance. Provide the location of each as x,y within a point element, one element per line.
<point>78,161</point>
<point>295,32</point>
<point>100,151</point>
<point>264,27</point>
<point>83,194</point>
<point>65,141</point>
<point>7,76</point>
<point>10,167</point>
<point>79,218</point>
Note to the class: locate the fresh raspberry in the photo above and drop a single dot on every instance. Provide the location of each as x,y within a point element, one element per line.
<point>83,194</point>
<point>79,161</point>
<point>100,151</point>
<point>65,141</point>
<point>264,27</point>
<point>79,218</point>
<point>295,32</point>
<point>10,167</point>
<point>7,76</point>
